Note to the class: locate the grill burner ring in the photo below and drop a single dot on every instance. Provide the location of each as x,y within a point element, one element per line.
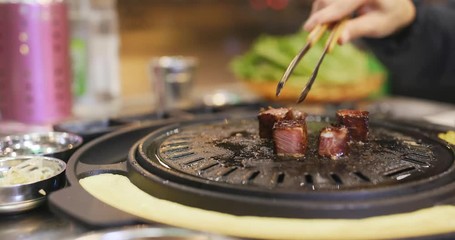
<point>224,166</point>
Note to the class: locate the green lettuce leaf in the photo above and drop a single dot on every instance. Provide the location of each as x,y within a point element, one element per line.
<point>269,56</point>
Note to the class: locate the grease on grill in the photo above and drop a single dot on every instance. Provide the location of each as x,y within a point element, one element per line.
<point>232,152</point>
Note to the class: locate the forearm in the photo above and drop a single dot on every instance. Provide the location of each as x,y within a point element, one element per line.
<point>421,57</point>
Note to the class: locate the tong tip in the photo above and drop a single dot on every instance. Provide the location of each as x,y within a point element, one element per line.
<point>301,98</point>
<point>279,87</point>
<point>303,94</point>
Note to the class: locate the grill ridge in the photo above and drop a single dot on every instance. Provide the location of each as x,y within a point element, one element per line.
<point>336,179</point>
<point>175,149</point>
<point>361,176</point>
<point>177,143</point>
<point>181,155</point>
<point>280,178</point>
<point>399,171</point>
<point>309,179</point>
<point>277,178</point>
<point>193,161</point>
<point>416,161</point>
<point>208,166</point>
<point>225,174</point>
<point>250,176</point>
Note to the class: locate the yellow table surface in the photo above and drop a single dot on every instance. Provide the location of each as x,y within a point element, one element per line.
<point>119,192</point>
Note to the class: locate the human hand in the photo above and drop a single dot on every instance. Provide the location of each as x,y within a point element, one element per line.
<point>374,18</point>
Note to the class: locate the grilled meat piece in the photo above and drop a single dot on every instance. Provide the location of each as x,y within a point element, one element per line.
<point>293,114</point>
<point>290,137</point>
<point>333,142</point>
<point>268,117</point>
<point>356,121</point>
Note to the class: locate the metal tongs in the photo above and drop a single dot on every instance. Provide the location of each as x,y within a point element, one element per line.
<point>313,38</point>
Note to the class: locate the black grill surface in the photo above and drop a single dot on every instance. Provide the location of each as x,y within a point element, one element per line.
<point>225,166</point>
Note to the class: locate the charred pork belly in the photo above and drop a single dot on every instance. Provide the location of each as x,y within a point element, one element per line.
<point>333,142</point>
<point>290,137</point>
<point>268,117</point>
<point>356,121</point>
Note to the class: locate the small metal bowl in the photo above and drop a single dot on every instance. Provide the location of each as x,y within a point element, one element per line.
<point>19,197</point>
<point>50,144</point>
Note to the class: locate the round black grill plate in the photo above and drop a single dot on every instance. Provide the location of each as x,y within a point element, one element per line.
<point>225,166</point>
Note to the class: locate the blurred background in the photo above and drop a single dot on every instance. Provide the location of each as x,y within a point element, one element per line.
<point>112,43</point>
<point>213,31</point>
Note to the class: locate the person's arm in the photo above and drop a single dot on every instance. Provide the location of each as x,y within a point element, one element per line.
<point>421,57</point>
<point>373,18</point>
<point>416,44</point>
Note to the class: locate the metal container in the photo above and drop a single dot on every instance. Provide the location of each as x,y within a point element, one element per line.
<point>35,79</point>
<point>172,79</point>
<point>148,232</point>
<point>25,196</point>
<point>51,144</point>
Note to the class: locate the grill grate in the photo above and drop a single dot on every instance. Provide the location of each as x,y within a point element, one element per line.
<point>233,153</point>
<point>225,166</point>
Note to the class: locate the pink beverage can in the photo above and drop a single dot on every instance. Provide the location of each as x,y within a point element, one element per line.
<point>35,77</point>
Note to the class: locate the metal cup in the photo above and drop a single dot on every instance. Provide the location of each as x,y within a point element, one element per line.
<point>172,80</point>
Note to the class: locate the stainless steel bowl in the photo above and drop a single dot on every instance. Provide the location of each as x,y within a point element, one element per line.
<point>18,197</point>
<point>51,144</point>
<point>137,232</point>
